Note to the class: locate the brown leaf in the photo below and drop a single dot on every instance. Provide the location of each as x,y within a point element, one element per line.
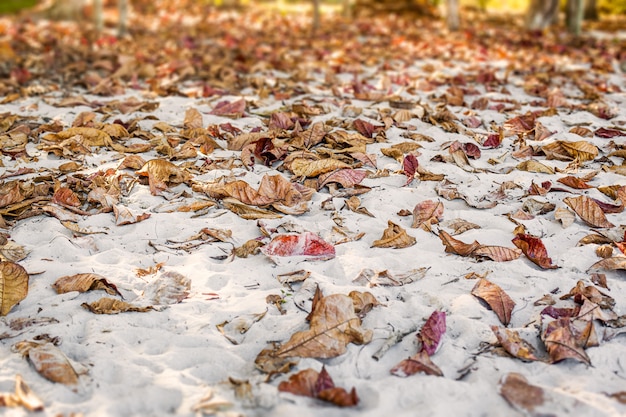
<point>334,324</point>
<point>193,119</point>
<point>420,362</point>
<point>534,250</point>
<point>496,298</point>
<point>497,253</point>
<point>519,393</point>
<point>12,252</point>
<point>251,247</point>
<point>460,226</point>
<point>124,216</point>
<point>13,286</point>
<point>347,178</point>
<point>395,237</point>
<point>83,283</point>
<point>581,150</point>
<point>427,213</point>
<point>363,302</point>
<point>588,210</point>
<point>574,182</point>
<point>383,278</point>
<point>162,173</point>
<point>168,288</point>
<point>113,306</point>
<point>581,292</point>
<point>91,136</point>
<point>248,212</point>
<point>310,383</point>
<point>230,109</point>
<point>49,361</point>
<point>66,197</point>
<point>456,246</point>
<point>267,361</point>
<point>514,344</point>
<point>235,329</point>
<point>302,167</point>
<point>614,263</point>
<point>535,166</point>
<point>303,383</point>
<point>339,396</point>
<point>561,344</point>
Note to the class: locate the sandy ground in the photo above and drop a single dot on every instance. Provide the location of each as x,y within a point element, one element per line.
<point>165,361</point>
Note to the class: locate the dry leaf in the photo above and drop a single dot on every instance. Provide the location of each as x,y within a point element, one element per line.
<point>574,182</point>
<point>581,150</point>
<point>456,246</point>
<point>193,119</point>
<point>348,178</point>
<point>534,250</point>
<point>307,244</point>
<point>514,344</point>
<point>460,226</point>
<point>612,264</point>
<point>334,324</point>
<point>49,361</point>
<point>302,167</point>
<point>363,302</point>
<point>91,136</point>
<point>124,216</point>
<point>168,288</point>
<point>113,306</point>
<point>565,216</point>
<point>320,385</point>
<point>431,333</point>
<point>588,210</point>
<point>420,362</point>
<point>496,298</point>
<point>561,344</point>
<point>395,237</point>
<point>83,283</point>
<point>385,278</point>
<point>235,329</point>
<point>13,286</point>
<point>12,252</point>
<point>161,174</point>
<point>497,253</point>
<point>427,213</point>
<point>535,166</point>
<point>520,394</point>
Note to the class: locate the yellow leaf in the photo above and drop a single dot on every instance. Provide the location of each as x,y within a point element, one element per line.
<point>581,150</point>
<point>92,136</point>
<point>302,167</point>
<point>535,166</point>
<point>13,286</point>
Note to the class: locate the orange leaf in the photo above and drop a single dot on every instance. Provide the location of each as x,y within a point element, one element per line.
<point>588,210</point>
<point>456,246</point>
<point>496,298</point>
<point>514,344</point>
<point>534,250</point>
<point>394,236</point>
<point>83,283</point>
<point>561,344</point>
<point>420,362</point>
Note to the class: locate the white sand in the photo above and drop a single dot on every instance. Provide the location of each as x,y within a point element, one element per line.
<point>164,362</point>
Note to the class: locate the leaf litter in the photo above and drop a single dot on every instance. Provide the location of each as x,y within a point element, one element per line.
<point>255,135</point>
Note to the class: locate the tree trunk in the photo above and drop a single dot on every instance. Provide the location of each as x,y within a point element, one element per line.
<point>591,10</point>
<point>316,15</point>
<point>541,14</point>
<point>452,14</point>
<point>574,16</point>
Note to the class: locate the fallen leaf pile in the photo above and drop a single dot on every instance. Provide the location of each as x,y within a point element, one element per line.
<point>239,180</point>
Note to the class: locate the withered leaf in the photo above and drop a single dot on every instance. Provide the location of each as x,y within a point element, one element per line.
<point>162,173</point>
<point>535,166</point>
<point>432,331</point>
<point>22,397</point>
<point>497,253</point>
<point>348,178</point>
<point>363,302</point>
<point>66,197</point>
<point>248,212</point>
<point>193,119</point>
<point>613,263</point>
<point>588,210</point>
<point>49,361</point>
<point>565,216</point>
<point>168,288</point>
<point>302,167</point>
<point>307,244</point>
<point>113,306</point>
<point>334,324</point>
<point>13,286</point>
<point>409,167</point>
<point>267,361</point>
<point>92,136</point>
<point>519,393</point>
<point>12,252</point>
<point>574,182</point>
<point>320,385</point>
<point>456,246</point>
<point>581,292</point>
<point>460,226</point>
<point>251,247</point>
<point>373,278</point>
<point>427,213</point>
<point>83,283</point>
<point>420,362</point>
<point>394,236</point>
<point>124,216</point>
<point>496,298</point>
<point>561,344</point>
<point>235,329</point>
<point>534,250</point>
<point>230,109</point>
<point>580,150</point>
<point>514,344</point>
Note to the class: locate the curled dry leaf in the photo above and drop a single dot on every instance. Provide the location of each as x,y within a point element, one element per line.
<point>420,362</point>
<point>535,166</point>
<point>520,394</point>
<point>384,278</point>
<point>334,324</point>
<point>162,173</point>
<point>193,119</point>
<point>13,286</point>
<point>347,178</point>
<point>235,329</point>
<point>588,210</point>
<point>307,244</point>
<point>432,331</point>
<point>394,236</point>
<point>534,250</point>
<point>12,252</point>
<point>580,150</point>
<point>561,344</point>
<point>514,344</point>
<point>496,298</point>
<point>302,167</point>
<point>363,302</point>
<point>456,246</point>
<point>460,226</point>
<point>611,264</point>
<point>83,283</point>
<point>22,397</point>
<point>113,306</point>
<point>49,361</point>
<point>310,383</point>
<point>409,167</point>
<point>565,216</point>
<point>124,216</point>
<point>497,253</point>
<point>427,213</point>
<point>169,288</point>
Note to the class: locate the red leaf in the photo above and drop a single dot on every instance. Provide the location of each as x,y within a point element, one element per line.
<point>305,244</point>
<point>420,362</point>
<point>493,140</point>
<point>225,108</point>
<point>409,165</point>
<point>534,250</point>
<point>431,332</point>
<point>557,313</point>
<point>608,133</point>
<point>365,128</point>
<point>496,298</point>
<point>471,150</point>
<point>324,381</point>
<point>561,344</point>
